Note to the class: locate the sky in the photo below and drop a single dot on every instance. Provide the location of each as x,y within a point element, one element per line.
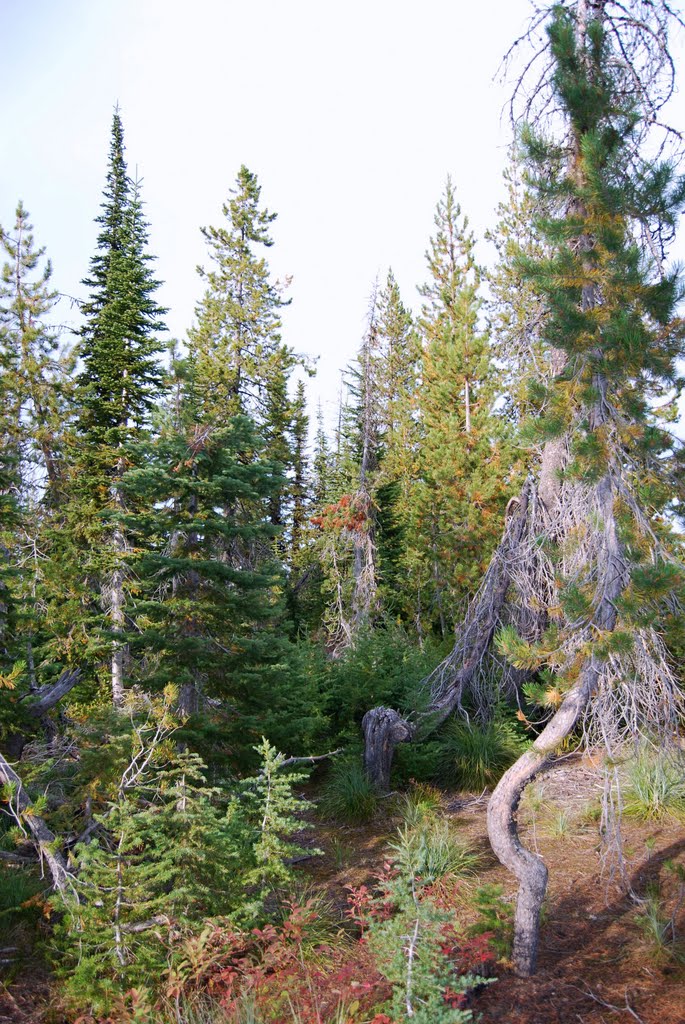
<point>351,114</point>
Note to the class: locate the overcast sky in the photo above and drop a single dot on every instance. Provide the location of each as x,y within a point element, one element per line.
<point>352,114</point>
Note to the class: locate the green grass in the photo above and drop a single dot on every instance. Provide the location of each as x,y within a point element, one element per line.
<point>475,757</point>
<point>658,928</point>
<point>347,795</point>
<point>655,786</point>
<point>420,802</point>
<point>431,850</point>
<point>18,885</point>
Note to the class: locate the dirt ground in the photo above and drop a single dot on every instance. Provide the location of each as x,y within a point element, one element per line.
<point>595,964</point>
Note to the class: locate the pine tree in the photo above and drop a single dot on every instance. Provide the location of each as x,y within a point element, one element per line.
<point>611,314</point>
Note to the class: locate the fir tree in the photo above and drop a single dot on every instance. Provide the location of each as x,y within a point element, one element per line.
<point>205,613</point>
<point>36,390</point>
<point>463,479</point>
<point>243,366</point>
<point>116,389</point>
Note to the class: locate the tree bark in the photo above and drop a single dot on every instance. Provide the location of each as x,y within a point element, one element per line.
<point>530,871</point>
<point>383,729</point>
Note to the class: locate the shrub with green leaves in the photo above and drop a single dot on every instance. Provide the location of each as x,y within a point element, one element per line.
<point>474,757</point>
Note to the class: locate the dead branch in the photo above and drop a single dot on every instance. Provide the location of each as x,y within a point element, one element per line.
<point>41,836</point>
<point>309,760</point>
<point>44,699</point>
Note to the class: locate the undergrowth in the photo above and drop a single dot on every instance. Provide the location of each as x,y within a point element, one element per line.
<point>475,757</point>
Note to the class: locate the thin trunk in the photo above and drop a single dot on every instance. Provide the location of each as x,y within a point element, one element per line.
<point>41,836</point>
<point>467,405</point>
<point>117,619</point>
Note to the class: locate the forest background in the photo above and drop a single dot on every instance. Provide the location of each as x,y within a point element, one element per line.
<point>190,551</point>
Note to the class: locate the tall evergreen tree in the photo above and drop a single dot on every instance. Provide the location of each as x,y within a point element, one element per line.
<point>36,392</point>
<point>119,382</point>
<point>463,479</point>
<point>399,379</point>
<point>243,364</point>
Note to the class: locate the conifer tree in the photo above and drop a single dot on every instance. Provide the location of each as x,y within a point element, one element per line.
<point>300,481</point>
<point>610,312</point>
<point>463,480</point>
<point>119,382</point>
<point>36,391</point>
<point>243,366</point>
<point>206,608</point>
<point>399,369</point>
<point>41,366</point>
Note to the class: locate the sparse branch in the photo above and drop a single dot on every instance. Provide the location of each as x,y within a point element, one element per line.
<point>41,836</point>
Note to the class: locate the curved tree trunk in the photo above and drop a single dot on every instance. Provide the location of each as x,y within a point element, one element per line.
<point>528,868</point>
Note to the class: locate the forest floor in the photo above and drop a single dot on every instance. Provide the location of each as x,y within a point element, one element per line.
<point>596,964</point>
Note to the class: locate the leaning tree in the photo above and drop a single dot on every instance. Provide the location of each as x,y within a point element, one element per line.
<point>587,575</point>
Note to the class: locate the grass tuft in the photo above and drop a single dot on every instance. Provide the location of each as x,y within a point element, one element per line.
<point>431,850</point>
<point>655,786</point>
<point>475,757</point>
<point>347,795</point>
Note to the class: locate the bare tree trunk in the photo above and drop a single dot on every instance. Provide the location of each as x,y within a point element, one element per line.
<point>116,614</point>
<point>383,729</point>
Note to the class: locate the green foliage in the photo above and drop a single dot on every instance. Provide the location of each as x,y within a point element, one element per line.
<point>265,812</point>
<point>20,889</point>
<point>347,795</point>
<point>496,918</point>
<point>382,667</point>
<point>431,849</point>
<point>474,757</point>
<point>166,855</point>
<point>655,785</point>
<point>409,924</point>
